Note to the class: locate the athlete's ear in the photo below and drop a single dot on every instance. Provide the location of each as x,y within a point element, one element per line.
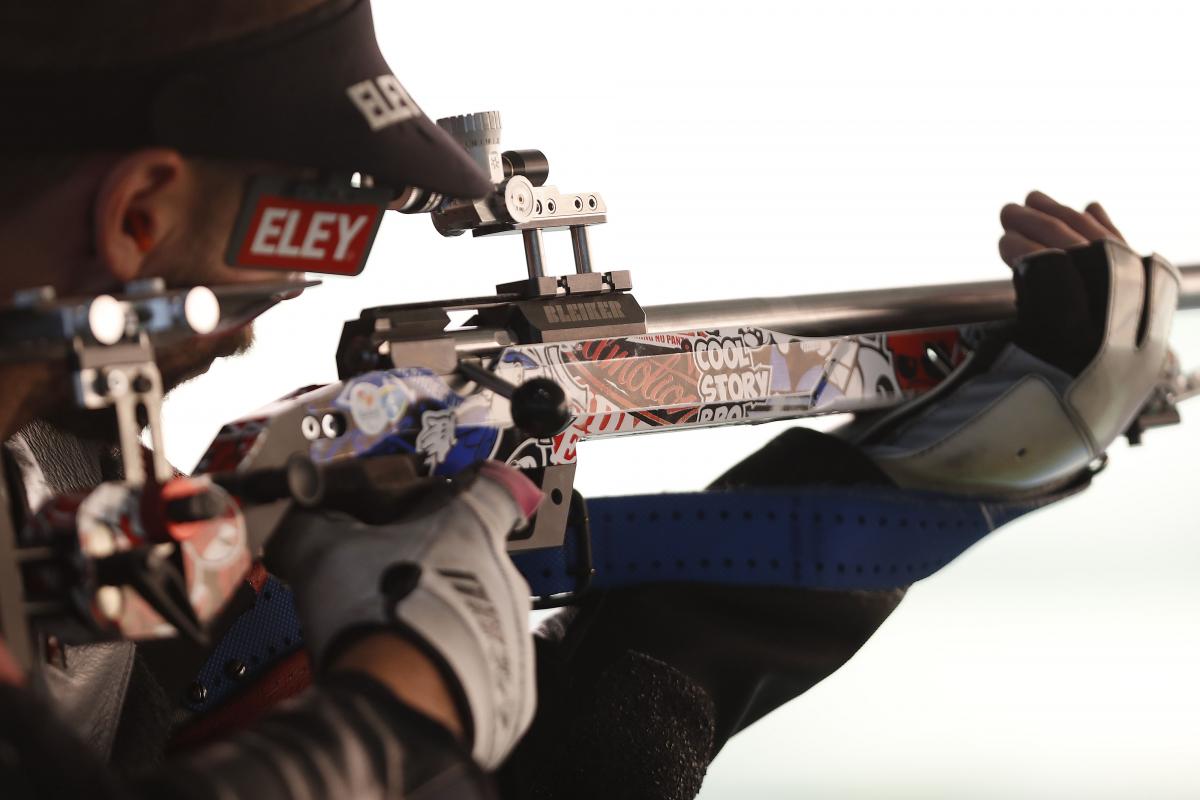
<point>140,204</point>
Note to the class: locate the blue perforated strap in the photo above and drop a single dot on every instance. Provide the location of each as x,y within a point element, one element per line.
<point>261,636</point>
<point>825,538</point>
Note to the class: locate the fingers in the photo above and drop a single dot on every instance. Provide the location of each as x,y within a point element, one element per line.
<point>1039,227</point>
<point>1097,212</point>
<point>1014,247</point>
<point>1082,223</point>
<point>1045,224</point>
<point>524,491</point>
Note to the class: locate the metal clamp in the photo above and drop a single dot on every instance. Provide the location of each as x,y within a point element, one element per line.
<point>584,569</point>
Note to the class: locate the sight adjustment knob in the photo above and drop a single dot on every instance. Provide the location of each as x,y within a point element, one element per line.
<point>479,133</point>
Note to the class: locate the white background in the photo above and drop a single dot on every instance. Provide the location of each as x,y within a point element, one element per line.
<point>761,148</point>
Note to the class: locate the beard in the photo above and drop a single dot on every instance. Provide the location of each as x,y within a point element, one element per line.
<point>193,256</point>
<point>181,362</point>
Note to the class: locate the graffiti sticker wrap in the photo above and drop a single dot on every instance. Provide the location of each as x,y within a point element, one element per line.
<point>614,386</point>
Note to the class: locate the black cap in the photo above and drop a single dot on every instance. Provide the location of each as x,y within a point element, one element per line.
<point>313,91</point>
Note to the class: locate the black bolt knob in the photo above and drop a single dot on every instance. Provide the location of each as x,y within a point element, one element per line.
<point>236,670</point>
<point>539,407</point>
<point>197,693</point>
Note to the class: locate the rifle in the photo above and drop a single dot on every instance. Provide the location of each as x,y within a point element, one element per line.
<point>541,365</point>
<point>549,361</point>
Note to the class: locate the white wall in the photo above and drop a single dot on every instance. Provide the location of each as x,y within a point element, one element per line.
<point>771,148</point>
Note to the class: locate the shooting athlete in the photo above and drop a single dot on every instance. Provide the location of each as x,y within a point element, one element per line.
<point>427,667</point>
<point>140,173</point>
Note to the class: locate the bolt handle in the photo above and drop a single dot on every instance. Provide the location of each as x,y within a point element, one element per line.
<point>375,489</point>
<point>539,405</point>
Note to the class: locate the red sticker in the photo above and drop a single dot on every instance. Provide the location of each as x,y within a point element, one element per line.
<point>308,236</point>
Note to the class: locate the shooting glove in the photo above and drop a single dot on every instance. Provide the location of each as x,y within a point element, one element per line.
<point>444,579</point>
<point>1088,349</point>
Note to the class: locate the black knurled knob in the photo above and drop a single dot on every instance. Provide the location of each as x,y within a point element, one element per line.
<point>539,407</point>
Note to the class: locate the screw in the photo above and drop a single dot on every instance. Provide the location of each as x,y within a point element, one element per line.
<point>235,669</point>
<point>310,428</point>
<point>197,693</point>
<point>118,382</point>
<point>333,425</point>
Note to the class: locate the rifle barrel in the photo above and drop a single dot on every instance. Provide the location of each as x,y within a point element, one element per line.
<point>846,313</point>
<point>836,314</point>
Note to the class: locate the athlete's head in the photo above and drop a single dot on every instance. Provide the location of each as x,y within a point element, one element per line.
<point>134,132</point>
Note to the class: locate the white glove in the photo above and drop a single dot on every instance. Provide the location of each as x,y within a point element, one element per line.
<point>1090,346</point>
<point>443,577</point>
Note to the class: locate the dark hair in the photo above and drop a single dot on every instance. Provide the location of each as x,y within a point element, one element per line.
<point>94,34</point>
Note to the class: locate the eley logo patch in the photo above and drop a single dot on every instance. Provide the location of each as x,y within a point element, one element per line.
<point>300,231</point>
<point>311,237</point>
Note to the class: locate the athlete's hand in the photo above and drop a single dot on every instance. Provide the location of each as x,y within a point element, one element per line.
<point>443,580</point>
<point>1031,411</point>
<point>1045,224</point>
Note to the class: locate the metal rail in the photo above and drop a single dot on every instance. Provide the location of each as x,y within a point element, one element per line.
<point>836,314</point>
